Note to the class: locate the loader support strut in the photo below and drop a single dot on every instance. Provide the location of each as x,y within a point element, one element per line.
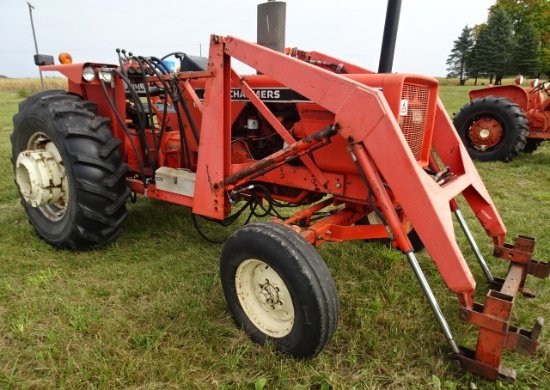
<point>374,183</point>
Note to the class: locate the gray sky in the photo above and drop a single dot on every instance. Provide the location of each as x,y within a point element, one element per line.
<point>348,29</point>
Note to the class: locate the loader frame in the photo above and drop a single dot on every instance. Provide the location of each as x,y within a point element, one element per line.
<point>365,132</point>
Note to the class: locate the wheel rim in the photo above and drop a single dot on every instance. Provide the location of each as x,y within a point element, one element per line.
<point>485,133</point>
<point>54,211</point>
<point>264,298</point>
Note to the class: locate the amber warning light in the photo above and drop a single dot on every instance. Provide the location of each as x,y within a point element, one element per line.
<point>65,58</point>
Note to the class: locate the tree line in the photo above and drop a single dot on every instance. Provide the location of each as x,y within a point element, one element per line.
<point>515,40</point>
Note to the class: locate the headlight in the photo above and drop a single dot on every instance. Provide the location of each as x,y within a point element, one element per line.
<point>106,76</point>
<point>88,74</point>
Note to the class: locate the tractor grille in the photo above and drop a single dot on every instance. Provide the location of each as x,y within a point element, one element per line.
<point>413,121</point>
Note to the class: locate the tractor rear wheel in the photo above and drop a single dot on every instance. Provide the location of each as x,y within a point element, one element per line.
<point>492,128</point>
<point>279,289</point>
<point>69,171</point>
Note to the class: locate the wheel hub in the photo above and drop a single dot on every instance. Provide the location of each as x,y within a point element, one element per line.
<point>265,298</point>
<point>269,295</point>
<point>486,133</point>
<point>41,178</point>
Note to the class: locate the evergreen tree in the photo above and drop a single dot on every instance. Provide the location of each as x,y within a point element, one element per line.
<point>458,59</point>
<point>478,63</point>
<point>495,45</point>
<point>476,68</point>
<point>526,57</point>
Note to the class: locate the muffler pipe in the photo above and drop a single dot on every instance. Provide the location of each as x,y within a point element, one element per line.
<point>271,25</point>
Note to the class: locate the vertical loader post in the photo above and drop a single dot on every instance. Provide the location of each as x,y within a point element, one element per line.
<point>390,36</point>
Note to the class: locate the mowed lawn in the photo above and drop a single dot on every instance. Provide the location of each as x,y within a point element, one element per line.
<point>148,312</point>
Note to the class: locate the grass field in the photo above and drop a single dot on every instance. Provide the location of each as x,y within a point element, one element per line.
<point>148,312</point>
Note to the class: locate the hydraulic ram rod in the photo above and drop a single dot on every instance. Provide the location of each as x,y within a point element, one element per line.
<point>473,244</point>
<point>433,302</point>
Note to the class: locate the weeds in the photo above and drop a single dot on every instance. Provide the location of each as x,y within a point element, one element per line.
<point>23,93</point>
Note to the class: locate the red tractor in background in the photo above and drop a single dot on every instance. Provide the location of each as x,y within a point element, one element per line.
<point>501,121</point>
<point>365,155</point>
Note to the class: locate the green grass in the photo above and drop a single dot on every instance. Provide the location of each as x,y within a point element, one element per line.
<point>148,312</point>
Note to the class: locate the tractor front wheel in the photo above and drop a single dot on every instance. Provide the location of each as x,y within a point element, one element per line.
<point>69,171</point>
<point>532,145</point>
<point>279,289</point>
<point>492,128</point>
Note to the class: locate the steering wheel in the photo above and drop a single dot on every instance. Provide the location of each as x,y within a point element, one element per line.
<point>541,86</point>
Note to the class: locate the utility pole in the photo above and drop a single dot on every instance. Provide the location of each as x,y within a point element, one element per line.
<point>35,44</point>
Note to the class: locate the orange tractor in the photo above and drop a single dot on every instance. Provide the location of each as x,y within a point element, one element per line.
<point>365,155</point>
<point>501,121</point>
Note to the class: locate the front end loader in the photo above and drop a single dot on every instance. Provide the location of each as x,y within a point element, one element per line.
<point>364,155</point>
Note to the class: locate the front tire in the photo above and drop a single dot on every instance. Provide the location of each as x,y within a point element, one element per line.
<point>63,131</point>
<point>279,289</point>
<point>492,128</point>
<point>532,145</point>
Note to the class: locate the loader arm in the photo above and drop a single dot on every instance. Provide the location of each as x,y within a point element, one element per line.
<point>375,136</point>
<point>385,162</point>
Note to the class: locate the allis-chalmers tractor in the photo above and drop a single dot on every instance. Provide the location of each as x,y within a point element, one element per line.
<point>501,121</point>
<point>365,155</point>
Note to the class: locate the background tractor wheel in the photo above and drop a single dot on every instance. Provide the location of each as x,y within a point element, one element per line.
<point>69,171</point>
<point>279,289</point>
<point>492,128</point>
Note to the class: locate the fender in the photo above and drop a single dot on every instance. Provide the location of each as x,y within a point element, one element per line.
<point>513,93</point>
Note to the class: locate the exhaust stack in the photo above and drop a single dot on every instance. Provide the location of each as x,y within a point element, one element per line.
<point>272,25</point>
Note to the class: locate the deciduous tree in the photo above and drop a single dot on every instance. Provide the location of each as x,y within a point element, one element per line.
<point>535,14</point>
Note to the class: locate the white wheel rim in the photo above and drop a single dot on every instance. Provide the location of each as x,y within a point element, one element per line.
<point>54,211</point>
<point>264,298</point>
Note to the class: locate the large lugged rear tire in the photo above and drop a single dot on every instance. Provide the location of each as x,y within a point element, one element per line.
<point>492,128</point>
<point>279,289</point>
<point>84,206</point>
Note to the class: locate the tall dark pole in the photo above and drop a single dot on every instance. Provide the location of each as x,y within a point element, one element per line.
<point>390,36</point>
<point>35,44</point>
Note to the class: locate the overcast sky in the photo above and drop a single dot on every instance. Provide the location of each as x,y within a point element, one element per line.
<point>348,29</point>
